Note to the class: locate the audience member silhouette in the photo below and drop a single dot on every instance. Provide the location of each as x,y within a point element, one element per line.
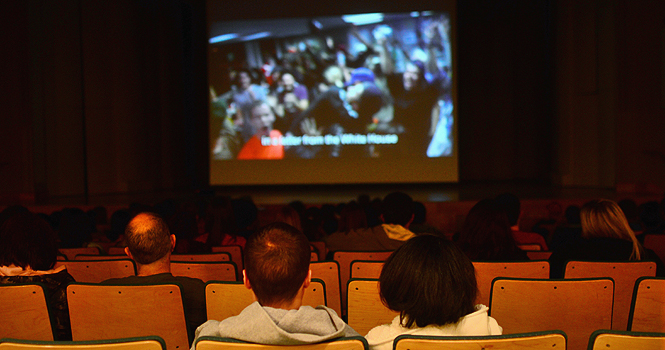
<point>651,218</point>
<point>630,210</point>
<point>606,236</point>
<point>221,225</point>
<point>150,244</point>
<point>397,215</point>
<point>486,234</point>
<point>432,284</point>
<point>568,231</point>
<point>28,253</point>
<point>419,224</point>
<point>511,204</point>
<point>277,272</point>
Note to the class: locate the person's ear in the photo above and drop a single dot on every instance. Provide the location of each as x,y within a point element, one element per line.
<point>128,253</point>
<point>172,243</point>
<point>308,279</point>
<point>245,280</point>
<point>382,219</point>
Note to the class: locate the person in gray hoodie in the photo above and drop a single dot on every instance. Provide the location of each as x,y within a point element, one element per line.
<point>277,271</point>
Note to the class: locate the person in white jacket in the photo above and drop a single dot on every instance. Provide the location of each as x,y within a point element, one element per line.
<point>432,284</point>
<point>277,271</point>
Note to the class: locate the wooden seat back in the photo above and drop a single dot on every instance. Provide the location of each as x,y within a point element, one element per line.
<point>221,256</point>
<point>328,272</point>
<point>215,343</point>
<point>138,343</point>
<point>321,249</point>
<point>108,312</point>
<point>538,255</point>
<point>624,275</point>
<point>116,251</point>
<point>344,259</point>
<point>366,310</point>
<point>236,255</point>
<point>226,299</point>
<point>366,269</point>
<point>576,306</point>
<point>24,312</point>
<point>529,341</point>
<point>95,271</point>
<point>71,253</point>
<point>488,271</point>
<point>205,270</point>
<point>647,313</point>
<point>606,339</point>
<point>87,257</point>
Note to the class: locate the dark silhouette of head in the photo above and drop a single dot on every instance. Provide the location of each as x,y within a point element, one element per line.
<point>429,281</point>
<point>511,204</point>
<point>27,240</point>
<point>486,233</point>
<point>397,208</point>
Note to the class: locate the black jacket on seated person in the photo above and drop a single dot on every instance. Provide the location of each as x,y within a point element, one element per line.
<point>597,249</point>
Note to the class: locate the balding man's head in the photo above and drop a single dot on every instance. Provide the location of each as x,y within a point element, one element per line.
<point>148,238</point>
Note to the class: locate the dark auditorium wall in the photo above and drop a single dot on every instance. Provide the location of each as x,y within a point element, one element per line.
<point>110,96</point>
<point>610,95</point>
<point>107,96</point>
<point>505,77</point>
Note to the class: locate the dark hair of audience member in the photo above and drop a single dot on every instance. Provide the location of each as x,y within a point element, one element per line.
<point>299,206</point>
<point>276,262</point>
<point>419,213</point>
<point>11,211</point>
<point>650,216</point>
<point>148,240</point>
<point>329,223</point>
<point>288,215</point>
<point>220,221</point>
<point>119,220</point>
<point>27,240</point>
<point>397,208</point>
<point>75,228</point>
<point>352,217</point>
<point>429,281</point>
<point>373,212</point>
<point>98,215</point>
<point>486,234</point>
<point>511,204</point>
<point>572,215</point>
<point>246,213</point>
<point>184,226</point>
<point>311,223</point>
<point>629,208</point>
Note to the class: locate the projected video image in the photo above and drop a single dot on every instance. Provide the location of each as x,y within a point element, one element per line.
<point>358,86</point>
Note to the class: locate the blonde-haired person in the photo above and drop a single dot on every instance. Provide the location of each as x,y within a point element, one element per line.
<point>606,236</point>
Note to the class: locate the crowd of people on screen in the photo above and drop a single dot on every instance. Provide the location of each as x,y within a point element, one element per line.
<point>437,300</point>
<point>314,95</point>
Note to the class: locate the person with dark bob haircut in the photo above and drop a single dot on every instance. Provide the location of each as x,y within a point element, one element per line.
<point>432,284</point>
<point>28,254</point>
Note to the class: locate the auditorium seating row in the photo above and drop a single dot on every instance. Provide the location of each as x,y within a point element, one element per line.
<point>348,265</point>
<point>599,340</point>
<point>578,307</point>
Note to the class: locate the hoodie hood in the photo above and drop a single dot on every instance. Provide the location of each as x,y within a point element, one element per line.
<point>267,325</point>
<point>397,232</point>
